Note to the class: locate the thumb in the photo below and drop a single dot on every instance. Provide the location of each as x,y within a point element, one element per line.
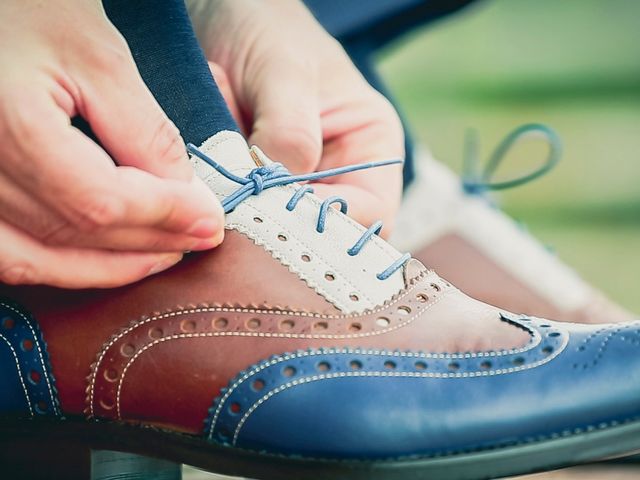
<point>286,114</point>
<point>129,122</point>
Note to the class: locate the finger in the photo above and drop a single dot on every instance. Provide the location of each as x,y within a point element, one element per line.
<point>286,114</point>
<point>29,215</point>
<point>73,176</point>
<point>25,261</point>
<point>126,118</point>
<point>222,81</point>
<point>133,239</point>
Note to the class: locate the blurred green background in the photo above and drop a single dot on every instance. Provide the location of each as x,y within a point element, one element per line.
<point>571,64</point>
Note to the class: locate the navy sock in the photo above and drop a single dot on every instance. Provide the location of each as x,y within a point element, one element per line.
<point>172,64</point>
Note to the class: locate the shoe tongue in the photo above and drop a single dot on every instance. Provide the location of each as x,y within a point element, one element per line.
<point>231,151</point>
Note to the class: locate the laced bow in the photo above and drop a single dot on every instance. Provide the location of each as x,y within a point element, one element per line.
<point>476,182</point>
<point>276,175</point>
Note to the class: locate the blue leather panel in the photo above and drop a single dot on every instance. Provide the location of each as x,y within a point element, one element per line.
<point>376,404</point>
<point>26,384</point>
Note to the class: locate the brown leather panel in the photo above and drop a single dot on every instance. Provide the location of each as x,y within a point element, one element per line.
<point>75,324</point>
<point>207,347</point>
<point>166,368</point>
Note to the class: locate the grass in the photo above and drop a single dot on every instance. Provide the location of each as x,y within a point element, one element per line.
<point>572,65</point>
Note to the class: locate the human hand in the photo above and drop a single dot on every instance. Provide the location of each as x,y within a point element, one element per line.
<point>70,217</point>
<point>302,101</point>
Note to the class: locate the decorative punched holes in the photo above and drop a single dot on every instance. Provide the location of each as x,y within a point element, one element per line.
<point>235,408</point>
<point>8,323</point>
<point>518,361</point>
<point>320,326</point>
<point>155,333</point>
<point>253,323</point>
<point>257,385</point>
<point>454,366</point>
<point>305,258</point>
<point>289,371</point>
<point>220,323</point>
<point>548,350</point>
<point>41,407</point>
<point>554,334</point>
<point>390,365</point>
<point>282,237</point>
<point>486,365</point>
<point>355,365</point>
<point>26,345</point>
<point>404,310</point>
<point>422,297</point>
<point>257,219</point>
<point>128,349</point>
<point>436,287</point>
<point>107,404</point>
<point>383,322</point>
<point>353,297</point>
<point>111,375</point>
<point>355,327</point>
<point>420,365</point>
<point>34,377</point>
<point>188,326</point>
<point>329,277</point>
<point>224,435</point>
<point>287,325</point>
<point>323,367</point>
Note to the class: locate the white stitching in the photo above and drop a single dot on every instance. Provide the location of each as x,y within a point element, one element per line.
<point>24,387</point>
<point>533,343</point>
<point>250,334</point>
<point>328,376</point>
<point>35,338</point>
<point>106,347</point>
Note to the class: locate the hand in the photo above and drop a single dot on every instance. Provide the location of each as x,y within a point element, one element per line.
<point>302,101</point>
<point>69,216</point>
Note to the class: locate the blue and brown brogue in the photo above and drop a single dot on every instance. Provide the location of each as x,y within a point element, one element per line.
<point>266,358</point>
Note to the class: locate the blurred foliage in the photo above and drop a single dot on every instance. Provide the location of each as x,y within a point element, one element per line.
<point>573,65</point>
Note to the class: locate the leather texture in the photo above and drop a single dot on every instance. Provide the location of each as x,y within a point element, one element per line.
<point>370,403</point>
<point>292,238</point>
<point>26,385</point>
<point>236,347</point>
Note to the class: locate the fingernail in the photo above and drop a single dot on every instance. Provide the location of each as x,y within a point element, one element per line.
<point>165,263</point>
<point>204,245</point>
<point>203,228</point>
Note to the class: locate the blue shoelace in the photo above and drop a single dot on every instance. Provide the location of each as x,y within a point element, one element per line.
<point>475,182</point>
<point>276,175</point>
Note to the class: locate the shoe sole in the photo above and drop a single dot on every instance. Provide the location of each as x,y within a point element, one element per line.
<point>532,457</point>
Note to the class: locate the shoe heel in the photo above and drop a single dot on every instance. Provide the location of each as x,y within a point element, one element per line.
<point>109,465</point>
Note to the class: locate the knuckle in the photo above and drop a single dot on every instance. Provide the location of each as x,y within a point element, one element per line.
<point>167,142</point>
<point>95,211</point>
<point>114,56</point>
<point>19,273</point>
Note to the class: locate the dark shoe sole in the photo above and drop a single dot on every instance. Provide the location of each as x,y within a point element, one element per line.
<point>79,435</point>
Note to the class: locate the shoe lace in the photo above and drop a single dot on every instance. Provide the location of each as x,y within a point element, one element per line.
<point>476,182</point>
<point>276,175</point>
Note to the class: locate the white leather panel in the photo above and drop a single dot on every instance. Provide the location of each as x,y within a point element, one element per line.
<point>320,259</point>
